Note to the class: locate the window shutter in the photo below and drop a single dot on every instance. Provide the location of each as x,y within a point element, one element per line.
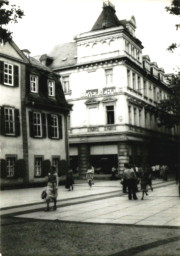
<point>43,125</point>
<point>17,122</point>
<point>1,72</point>
<point>2,128</point>
<point>27,82</point>
<point>2,168</point>
<point>60,127</point>
<point>31,126</point>
<point>16,76</point>
<point>49,119</point>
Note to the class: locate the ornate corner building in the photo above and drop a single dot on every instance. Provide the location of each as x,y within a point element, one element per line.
<point>114,91</point>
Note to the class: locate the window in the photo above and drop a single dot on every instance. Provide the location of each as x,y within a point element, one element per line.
<point>139,83</point>
<point>54,126</point>
<point>140,117</point>
<point>65,84</point>
<point>127,46</point>
<point>154,93</point>
<point>9,118</point>
<point>51,88</point>
<point>93,111</point>
<point>109,77</point>
<point>37,124</point>
<point>110,114</point>
<point>55,163</point>
<point>128,78</point>
<point>10,165</point>
<point>8,74</point>
<point>137,54</point>
<point>130,114</point>
<point>38,166</point>
<point>145,88</point>
<point>135,117</point>
<point>34,83</point>
<point>134,81</point>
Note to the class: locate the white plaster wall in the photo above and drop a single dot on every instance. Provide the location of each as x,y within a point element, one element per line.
<point>10,96</point>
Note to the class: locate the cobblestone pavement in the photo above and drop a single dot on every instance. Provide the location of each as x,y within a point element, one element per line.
<point>103,203</point>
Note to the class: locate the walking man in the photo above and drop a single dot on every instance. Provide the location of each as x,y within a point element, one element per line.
<point>130,178</point>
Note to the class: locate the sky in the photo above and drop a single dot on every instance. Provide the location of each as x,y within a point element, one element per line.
<point>50,22</point>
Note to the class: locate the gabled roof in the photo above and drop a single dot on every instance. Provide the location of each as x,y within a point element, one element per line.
<point>107,18</point>
<point>64,55</point>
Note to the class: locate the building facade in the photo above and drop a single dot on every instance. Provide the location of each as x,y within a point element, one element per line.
<point>114,91</point>
<point>33,125</point>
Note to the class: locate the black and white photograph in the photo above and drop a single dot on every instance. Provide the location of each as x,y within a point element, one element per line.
<point>90,128</point>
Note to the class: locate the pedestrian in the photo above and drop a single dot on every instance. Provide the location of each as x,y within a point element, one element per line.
<point>52,188</point>
<point>113,177</point>
<point>90,175</point>
<point>69,179</point>
<point>144,181</point>
<point>153,169</point>
<point>130,178</point>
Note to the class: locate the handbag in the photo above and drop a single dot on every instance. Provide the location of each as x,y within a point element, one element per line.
<point>43,194</point>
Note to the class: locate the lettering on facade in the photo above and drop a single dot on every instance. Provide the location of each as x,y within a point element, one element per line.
<point>108,91</point>
<point>91,93</point>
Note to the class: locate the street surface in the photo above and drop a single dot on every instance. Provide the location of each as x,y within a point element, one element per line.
<point>151,225</point>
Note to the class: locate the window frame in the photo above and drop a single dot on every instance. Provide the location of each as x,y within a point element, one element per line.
<point>109,77</point>
<point>53,127</point>
<point>9,121</point>
<point>108,112</point>
<point>57,158</point>
<point>66,84</point>
<point>10,174</point>
<point>35,125</point>
<point>40,172</point>
<point>34,84</point>
<point>8,74</point>
<point>51,88</point>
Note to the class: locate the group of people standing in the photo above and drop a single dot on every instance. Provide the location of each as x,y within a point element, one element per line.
<point>132,176</point>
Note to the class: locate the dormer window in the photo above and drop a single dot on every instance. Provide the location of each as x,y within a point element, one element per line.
<point>51,88</point>
<point>34,83</point>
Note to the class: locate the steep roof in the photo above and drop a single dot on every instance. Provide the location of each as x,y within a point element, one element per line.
<point>64,55</point>
<point>107,18</point>
<point>36,63</point>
